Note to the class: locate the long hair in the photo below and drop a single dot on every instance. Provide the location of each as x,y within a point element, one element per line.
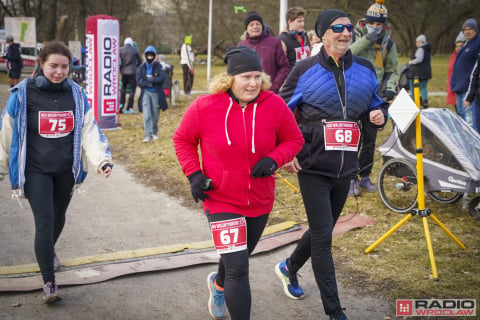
<point>223,82</point>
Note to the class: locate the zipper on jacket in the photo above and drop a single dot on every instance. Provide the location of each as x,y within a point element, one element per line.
<point>344,112</point>
<point>245,131</point>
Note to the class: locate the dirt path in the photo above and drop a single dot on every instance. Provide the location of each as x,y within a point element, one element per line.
<point>118,213</point>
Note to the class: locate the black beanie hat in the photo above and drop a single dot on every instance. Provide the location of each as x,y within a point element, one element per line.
<point>325,18</point>
<point>242,59</point>
<point>251,16</point>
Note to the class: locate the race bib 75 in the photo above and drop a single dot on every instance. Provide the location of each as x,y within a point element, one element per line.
<point>55,124</point>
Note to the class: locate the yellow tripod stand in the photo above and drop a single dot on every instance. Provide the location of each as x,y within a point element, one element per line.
<point>421,210</point>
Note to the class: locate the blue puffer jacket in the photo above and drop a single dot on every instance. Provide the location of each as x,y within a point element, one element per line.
<point>462,69</point>
<point>311,91</point>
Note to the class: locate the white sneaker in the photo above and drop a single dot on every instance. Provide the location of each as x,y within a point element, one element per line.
<point>146,140</point>
<point>155,137</point>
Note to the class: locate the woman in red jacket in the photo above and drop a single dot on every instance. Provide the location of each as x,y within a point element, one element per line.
<point>451,96</point>
<point>245,133</point>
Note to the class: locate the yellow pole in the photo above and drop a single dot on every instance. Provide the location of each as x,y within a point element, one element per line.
<point>288,183</point>
<point>450,234</point>
<point>388,233</point>
<point>420,180</point>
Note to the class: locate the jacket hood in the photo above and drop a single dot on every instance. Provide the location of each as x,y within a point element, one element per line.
<point>231,103</point>
<point>150,49</point>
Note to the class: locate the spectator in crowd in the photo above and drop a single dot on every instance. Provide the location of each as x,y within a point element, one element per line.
<point>326,91</point>
<point>463,66</point>
<point>168,68</point>
<point>150,77</point>
<point>295,42</point>
<point>372,41</point>
<point>315,42</point>
<point>130,59</point>
<point>451,96</point>
<point>269,49</point>
<point>421,67</point>
<point>244,132</point>
<point>14,61</point>
<point>48,132</point>
<point>472,110</point>
<point>187,57</point>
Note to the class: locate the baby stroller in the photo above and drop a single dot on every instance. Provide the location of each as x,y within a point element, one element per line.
<point>451,163</point>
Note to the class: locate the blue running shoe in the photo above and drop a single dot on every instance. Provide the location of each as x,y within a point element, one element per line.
<point>290,283</point>
<point>216,302</point>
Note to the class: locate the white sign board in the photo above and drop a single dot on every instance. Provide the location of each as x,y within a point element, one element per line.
<point>23,30</point>
<point>76,49</point>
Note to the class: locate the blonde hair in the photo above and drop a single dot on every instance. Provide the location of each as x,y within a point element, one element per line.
<point>223,82</point>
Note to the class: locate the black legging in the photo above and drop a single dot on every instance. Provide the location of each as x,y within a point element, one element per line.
<point>128,79</point>
<point>324,199</point>
<point>233,268</point>
<point>187,79</point>
<point>49,197</point>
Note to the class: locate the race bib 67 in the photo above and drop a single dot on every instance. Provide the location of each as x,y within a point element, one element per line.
<point>55,124</point>
<point>229,235</point>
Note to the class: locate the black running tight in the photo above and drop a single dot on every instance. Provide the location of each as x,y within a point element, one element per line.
<point>49,197</point>
<point>233,268</point>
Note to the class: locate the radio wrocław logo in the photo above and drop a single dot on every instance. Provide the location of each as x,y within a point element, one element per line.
<point>437,307</point>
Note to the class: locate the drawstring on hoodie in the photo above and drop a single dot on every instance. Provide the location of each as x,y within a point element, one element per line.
<point>226,116</point>
<point>253,124</point>
<point>253,127</point>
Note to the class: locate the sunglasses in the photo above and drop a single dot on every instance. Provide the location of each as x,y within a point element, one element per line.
<point>338,28</point>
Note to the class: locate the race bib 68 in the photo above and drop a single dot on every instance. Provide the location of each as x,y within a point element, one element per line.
<point>341,135</point>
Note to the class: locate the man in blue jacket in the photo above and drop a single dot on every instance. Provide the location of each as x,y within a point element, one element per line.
<point>462,69</point>
<point>150,77</point>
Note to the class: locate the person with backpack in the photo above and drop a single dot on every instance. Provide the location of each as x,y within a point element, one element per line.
<point>373,42</point>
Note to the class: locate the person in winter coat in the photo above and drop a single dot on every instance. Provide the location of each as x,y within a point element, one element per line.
<point>473,94</point>
<point>150,77</point>
<point>130,59</point>
<point>269,49</point>
<point>372,41</point>
<point>245,132</point>
<point>451,96</point>
<point>463,67</point>
<point>47,134</point>
<point>421,68</point>
<point>187,58</point>
<point>329,93</point>
<point>14,61</point>
<point>295,42</point>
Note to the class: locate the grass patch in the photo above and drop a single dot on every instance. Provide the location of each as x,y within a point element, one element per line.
<point>399,267</point>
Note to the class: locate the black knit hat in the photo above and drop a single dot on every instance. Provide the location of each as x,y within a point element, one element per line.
<point>242,59</point>
<point>325,18</point>
<point>251,16</point>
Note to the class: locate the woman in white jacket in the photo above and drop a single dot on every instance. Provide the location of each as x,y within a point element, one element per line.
<point>46,130</point>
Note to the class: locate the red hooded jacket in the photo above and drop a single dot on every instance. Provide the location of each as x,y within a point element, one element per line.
<point>232,140</point>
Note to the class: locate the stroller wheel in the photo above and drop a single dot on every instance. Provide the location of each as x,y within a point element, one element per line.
<point>474,208</point>
<point>445,197</point>
<point>397,185</point>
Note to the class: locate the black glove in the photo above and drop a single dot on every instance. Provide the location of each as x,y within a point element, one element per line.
<point>388,95</point>
<point>198,184</point>
<point>265,167</point>
<point>372,36</point>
